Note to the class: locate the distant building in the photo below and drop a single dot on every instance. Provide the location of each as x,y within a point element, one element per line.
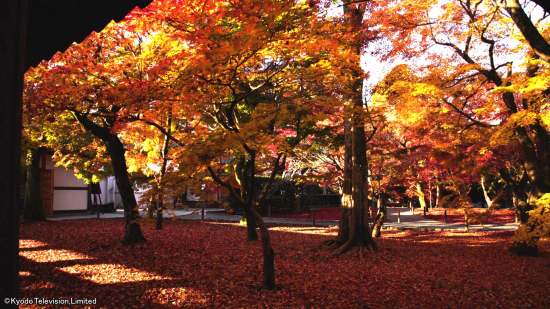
<point>60,189</point>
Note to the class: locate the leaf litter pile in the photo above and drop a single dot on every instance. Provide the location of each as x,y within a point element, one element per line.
<point>199,264</point>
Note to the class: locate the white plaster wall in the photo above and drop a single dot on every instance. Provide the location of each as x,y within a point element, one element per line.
<point>65,178</point>
<point>70,200</point>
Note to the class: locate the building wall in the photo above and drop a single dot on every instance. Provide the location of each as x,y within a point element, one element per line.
<point>61,190</point>
<point>70,193</point>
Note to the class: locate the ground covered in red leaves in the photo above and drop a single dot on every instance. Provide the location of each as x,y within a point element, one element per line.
<point>194,264</point>
<point>498,216</point>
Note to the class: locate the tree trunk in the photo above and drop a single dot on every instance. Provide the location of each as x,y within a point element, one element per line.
<point>343,224</point>
<point>437,194</point>
<point>490,201</point>
<point>355,217</point>
<point>33,207</point>
<point>520,198</point>
<point>267,251</point>
<point>529,31</point>
<point>246,178</point>
<point>158,215</point>
<point>421,198</point>
<point>116,151</point>
<point>164,155</point>
<point>380,218</point>
<point>430,195</point>
<point>115,148</point>
<point>536,154</point>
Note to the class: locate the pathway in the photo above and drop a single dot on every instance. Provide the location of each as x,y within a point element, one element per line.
<point>407,220</point>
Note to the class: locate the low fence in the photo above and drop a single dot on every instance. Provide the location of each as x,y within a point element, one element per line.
<point>282,205</point>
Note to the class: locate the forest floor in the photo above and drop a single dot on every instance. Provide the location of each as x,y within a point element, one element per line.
<point>206,264</point>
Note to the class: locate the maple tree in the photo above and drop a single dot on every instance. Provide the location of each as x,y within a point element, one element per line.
<point>482,89</point>
<point>99,85</point>
<point>254,86</point>
<point>354,228</point>
<point>242,94</point>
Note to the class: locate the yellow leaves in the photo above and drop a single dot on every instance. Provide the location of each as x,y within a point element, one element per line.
<point>544,201</point>
<point>324,64</point>
<point>538,225</point>
<point>522,119</point>
<point>536,84</point>
<point>424,89</point>
<point>504,134</point>
<point>378,100</point>
<point>545,118</point>
<point>532,85</point>
<point>529,85</point>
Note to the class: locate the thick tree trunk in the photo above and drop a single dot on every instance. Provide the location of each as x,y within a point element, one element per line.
<point>355,217</point>
<point>520,198</point>
<point>116,151</point>
<point>360,232</point>
<point>347,202</point>
<point>33,207</point>
<point>536,152</point>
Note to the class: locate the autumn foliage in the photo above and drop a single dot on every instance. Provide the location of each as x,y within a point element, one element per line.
<point>241,96</point>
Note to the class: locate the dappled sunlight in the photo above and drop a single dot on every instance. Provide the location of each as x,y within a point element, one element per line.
<point>224,223</point>
<point>31,243</point>
<point>110,273</point>
<point>210,264</point>
<point>324,231</point>
<point>178,296</point>
<point>306,230</point>
<point>48,255</point>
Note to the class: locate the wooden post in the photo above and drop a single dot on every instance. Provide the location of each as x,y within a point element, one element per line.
<point>12,41</point>
<point>202,213</point>
<point>430,194</point>
<point>445,216</point>
<point>398,215</point>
